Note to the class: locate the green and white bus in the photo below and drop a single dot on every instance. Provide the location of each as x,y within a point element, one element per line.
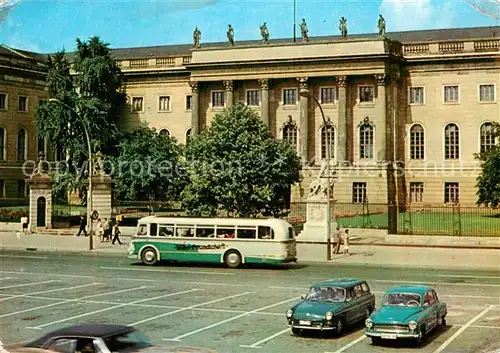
<point>233,241</point>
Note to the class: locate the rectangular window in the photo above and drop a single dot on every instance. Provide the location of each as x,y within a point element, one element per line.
<point>21,189</point>
<point>189,102</point>
<point>205,232</point>
<point>226,232</point>
<point>328,95</point>
<point>416,95</point>
<point>184,231</point>
<point>2,188</point>
<point>366,94</point>
<point>166,230</point>
<point>358,192</point>
<point>3,101</point>
<point>246,233</point>
<point>487,93</point>
<point>253,97</point>
<point>290,96</point>
<point>23,103</point>
<point>266,232</point>
<point>137,104</point>
<point>164,103</point>
<point>451,192</point>
<point>416,192</point>
<point>218,99</point>
<point>451,94</point>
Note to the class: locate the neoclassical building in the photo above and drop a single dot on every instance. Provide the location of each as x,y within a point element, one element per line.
<point>423,99</point>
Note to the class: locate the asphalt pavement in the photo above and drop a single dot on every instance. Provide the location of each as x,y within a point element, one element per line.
<point>229,310</point>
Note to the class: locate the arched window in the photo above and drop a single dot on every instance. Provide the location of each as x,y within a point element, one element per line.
<point>188,135</point>
<point>417,142</point>
<point>487,137</point>
<point>290,134</point>
<point>164,132</point>
<point>366,141</point>
<point>2,143</point>
<point>327,132</point>
<point>451,142</point>
<point>21,145</point>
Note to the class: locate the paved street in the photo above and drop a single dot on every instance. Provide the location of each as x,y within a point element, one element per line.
<point>232,311</point>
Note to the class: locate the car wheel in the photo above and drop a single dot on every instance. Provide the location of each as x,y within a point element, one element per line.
<point>420,337</point>
<point>376,341</point>
<point>232,259</point>
<point>296,331</point>
<point>339,326</point>
<point>148,256</point>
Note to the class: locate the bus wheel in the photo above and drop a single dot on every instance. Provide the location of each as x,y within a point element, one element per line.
<point>148,256</point>
<point>232,258</point>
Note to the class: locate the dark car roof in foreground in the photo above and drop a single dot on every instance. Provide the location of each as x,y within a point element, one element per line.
<point>410,288</point>
<point>86,330</point>
<point>339,282</point>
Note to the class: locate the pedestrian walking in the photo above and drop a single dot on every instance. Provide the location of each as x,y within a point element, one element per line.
<point>83,224</point>
<point>338,240</point>
<point>346,242</point>
<point>105,230</point>
<point>100,230</point>
<point>24,224</point>
<point>116,234</point>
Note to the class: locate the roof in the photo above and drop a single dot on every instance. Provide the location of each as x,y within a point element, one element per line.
<point>211,220</point>
<point>339,282</point>
<point>411,288</point>
<point>86,330</point>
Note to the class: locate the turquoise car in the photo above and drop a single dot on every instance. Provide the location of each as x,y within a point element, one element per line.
<point>408,312</point>
<point>331,305</point>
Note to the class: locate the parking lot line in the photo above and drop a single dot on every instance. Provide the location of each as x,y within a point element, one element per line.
<point>462,329</point>
<point>7,278</point>
<point>69,301</point>
<point>113,307</point>
<point>25,256</point>
<point>189,308</point>
<point>467,276</point>
<point>437,283</point>
<point>168,271</point>
<point>256,344</point>
<point>47,291</point>
<point>350,344</point>
<point>178,338</point>
<point>30,284</point>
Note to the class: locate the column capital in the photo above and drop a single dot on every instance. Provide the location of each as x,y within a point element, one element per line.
<point>264,83</point>
<point>302,82</point>
<point>194,86</point>
<point>228,85</point>
<point>381,79</point>
<point>341,80</point>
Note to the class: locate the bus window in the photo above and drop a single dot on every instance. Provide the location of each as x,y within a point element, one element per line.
<point>142,229</point>
<point>166,230</point>
<point>246,233</point>
<point>266,232</point>
<point>226,232</point>
<point>205,232</point>
<point>185,231</point>
<point>153,229</point>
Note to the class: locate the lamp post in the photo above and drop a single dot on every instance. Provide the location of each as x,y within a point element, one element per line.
<point>304,92</point>
<point>89,201</point>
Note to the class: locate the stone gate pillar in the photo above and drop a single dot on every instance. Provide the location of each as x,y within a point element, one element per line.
<point>40,197</point>
<point>101,195</point>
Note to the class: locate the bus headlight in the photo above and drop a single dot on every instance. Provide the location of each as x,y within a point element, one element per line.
<point>412,325</point>
<point>368,323</point>
<point>289,313</point>
<point>329,315</point>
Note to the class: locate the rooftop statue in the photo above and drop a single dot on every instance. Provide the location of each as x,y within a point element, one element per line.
<point>264,33</point>
<point>230,35</point>
<point>304,30</point>
<point>381,26</point>
<point>196,37</point>
<point>343,27</point>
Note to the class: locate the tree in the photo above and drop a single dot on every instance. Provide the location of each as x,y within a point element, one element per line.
<point>237,166</point>
<point>488,181</point>
<point>148,167</point>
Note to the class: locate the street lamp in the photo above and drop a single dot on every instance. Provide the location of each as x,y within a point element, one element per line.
<point>304,92</point>
<point>89,201</point>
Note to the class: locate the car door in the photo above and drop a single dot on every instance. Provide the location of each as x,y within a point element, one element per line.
<point>350,306</point>
<point>357,307</point>
<point>430,311</point>
<point>368,300</point>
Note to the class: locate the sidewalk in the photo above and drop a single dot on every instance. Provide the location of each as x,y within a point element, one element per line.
<point>371,255</point>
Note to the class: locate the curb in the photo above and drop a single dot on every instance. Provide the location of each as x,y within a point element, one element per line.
<point>95,252</point>
<point>472,246</point>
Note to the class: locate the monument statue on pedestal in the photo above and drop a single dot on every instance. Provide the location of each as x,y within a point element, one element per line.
<point>98,164</point>
<point>39,167</point>
<point>196,37</point>
<point>230,35</point>
<point>264,33</point>
<point>381,26</point>
<point>319,187</point>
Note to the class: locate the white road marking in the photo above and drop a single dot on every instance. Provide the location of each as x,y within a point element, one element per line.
<point>467,276</point>
<point>350,344</point>
<point>29,284</point>
<point>437,283</point>
<point>69,301</point>
<point>7,278</point>
<point>39,327</point>
<point>47,291</point>
<point>188,308</point>
<point>24,256</point>
<point>462,329</point>
<point>256,344</point>
<point>178,338</point>
<point>170,271</point>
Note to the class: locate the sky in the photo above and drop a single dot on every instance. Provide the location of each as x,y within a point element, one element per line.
<point>46,26</point>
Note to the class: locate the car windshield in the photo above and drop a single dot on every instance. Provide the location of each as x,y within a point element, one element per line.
<point>126,342</point>
<point>327,294</point>
<point>402,299</point>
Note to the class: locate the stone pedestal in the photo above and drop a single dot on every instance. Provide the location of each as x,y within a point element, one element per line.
<point>40,211</point>
<point>101,195</point>
<point>316,220</point>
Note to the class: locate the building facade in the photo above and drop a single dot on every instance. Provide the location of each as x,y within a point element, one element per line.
<point>406,112</point>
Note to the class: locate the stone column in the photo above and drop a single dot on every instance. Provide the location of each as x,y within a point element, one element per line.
<point>382,103</point>
<point>101,196</point>
<point>229,93</point>
<point>264,105</point>
<point>304,124</point>
<point>40,201</point>
<point>342,124</point>
<point>195,102</point>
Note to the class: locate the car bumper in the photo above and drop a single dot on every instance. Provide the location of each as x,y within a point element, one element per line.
<point>392,335</point>
<point>317,328</point>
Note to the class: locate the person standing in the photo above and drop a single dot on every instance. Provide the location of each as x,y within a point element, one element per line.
<point>338,239</point>
<point>83,224</point>
<point>346,242</point>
